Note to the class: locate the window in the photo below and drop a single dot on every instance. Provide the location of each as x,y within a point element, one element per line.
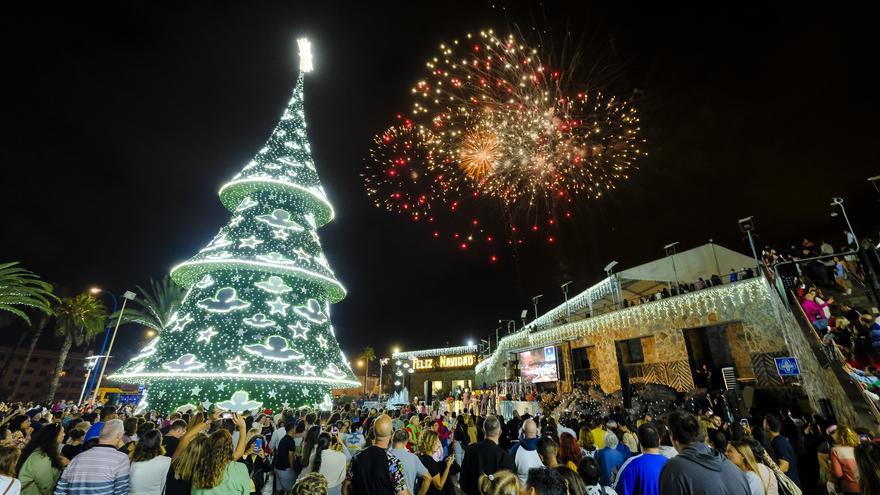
<point>631,351</point>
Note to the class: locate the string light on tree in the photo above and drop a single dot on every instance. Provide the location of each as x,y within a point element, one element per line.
<point>258,267</point>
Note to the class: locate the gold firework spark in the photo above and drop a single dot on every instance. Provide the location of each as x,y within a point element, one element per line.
<point>479,153</point>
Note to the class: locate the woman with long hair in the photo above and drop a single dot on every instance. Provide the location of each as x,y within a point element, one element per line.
<point>330,463</point>
<point>868,462</point>
<point>21,429</point>
<point>428,443</point>
<point>41,462</point>
<point>308,445</point>
<point>569,451</point>
<point>844,470</point>
<point>149,465</point>
<point>501,483</point>
<point>9,455</point>
<point>214,472</point>
<point>740,454</point>
<point>586,441</point>
<point>179,479</point>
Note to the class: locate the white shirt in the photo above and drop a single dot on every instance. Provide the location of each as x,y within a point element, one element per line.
<point>148,477</point>
<point>332,467</point>
<point>525,460</point>
<point>15,489</point>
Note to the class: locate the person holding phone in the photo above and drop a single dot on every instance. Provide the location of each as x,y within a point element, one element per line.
<point>257,464</point>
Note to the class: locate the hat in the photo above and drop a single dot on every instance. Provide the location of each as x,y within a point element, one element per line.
<point>33,412</point>
<point>267,411</point>
<point>611,424</point>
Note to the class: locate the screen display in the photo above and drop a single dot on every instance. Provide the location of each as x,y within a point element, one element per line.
<point>538,365</point>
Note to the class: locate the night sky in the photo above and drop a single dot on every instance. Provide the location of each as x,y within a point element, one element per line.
<point>122,120</point>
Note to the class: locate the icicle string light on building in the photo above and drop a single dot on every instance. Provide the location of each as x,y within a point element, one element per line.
<point>254,328</point>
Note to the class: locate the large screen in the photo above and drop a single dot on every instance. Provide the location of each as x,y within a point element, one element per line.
<point>538,365</point>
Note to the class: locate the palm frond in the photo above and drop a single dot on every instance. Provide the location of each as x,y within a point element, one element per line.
<point>155,306</point>
<point>21,287</point>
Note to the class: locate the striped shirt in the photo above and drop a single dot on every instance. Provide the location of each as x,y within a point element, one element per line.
<point>101,470</point>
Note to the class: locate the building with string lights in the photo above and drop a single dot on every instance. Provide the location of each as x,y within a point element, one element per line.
<point>431,373</point>
<point>743,335</point>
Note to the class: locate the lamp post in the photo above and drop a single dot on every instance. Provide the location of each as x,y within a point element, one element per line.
<point>747,225</point>
<point>875,284</point>
<point>382,363</point>
<point>95,291</point>
<point>608,272</point>
<point>90,365</point>
<point>126,296</point>
<point>535,303</point>
<point>564,288</point>
<point>670,248</point>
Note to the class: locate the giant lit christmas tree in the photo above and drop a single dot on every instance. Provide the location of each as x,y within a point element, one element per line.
<point>254,327</point>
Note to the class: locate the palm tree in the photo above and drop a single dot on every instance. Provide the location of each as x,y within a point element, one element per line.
<point>368,354</point>
<point>155,306</point>
<point>78,319</point>
<point>20,287</point>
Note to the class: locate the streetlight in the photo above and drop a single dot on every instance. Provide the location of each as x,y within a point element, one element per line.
<point>671,248</point>
<point>608,268</point>
<point>90,365</point>
<point>150,333</point>
<point>747,225</point>
<point>564,288</point>
<point>382,363</point>
<point>470,342</point>
<point>875,284</point>
<point>396,350</point>
<point>535,303</point>
<point>126,296</point>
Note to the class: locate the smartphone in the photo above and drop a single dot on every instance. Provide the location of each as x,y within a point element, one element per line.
<point>744,422</point>
<point>258,445</point>
<point>226,415</point>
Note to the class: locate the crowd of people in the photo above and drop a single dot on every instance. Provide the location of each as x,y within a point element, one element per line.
<point>824,289</point>
<point>353,450</point>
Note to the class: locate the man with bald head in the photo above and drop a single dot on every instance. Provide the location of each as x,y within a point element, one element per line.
<point>375,470</point>
<point>525,452</point>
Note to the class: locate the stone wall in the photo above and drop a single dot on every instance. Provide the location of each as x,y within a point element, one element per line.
<point>758,328</point>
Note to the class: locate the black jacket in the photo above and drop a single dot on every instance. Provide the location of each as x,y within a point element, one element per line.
<point>699,469</point>
<point>484,457</point>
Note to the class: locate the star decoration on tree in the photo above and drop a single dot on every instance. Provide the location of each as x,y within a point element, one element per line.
<point>301,254</point>
<point>206,335</point>
<point>181,323</point>
<point>272,394</point>
<point>221,387</point>
<point>322,341</point>
<point>196,390</point>
<point>236,364</point>
<point>307,369</point>
<point>298,331</point>
<point>278,307</point>
<point>249,242</point>
<point>280,234</point>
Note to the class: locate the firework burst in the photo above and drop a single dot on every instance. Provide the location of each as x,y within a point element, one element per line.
<point>401,175</point>
<point>494,125</point>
